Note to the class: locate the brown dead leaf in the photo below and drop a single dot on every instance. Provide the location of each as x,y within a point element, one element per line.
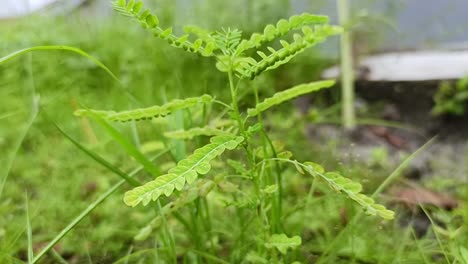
<point>414,196</point>
<point>387,135</point>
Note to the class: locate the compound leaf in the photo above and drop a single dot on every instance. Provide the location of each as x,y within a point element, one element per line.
<point>346,186</point>
<point>186,171</point>
<point>282,27</point>
<point>353,190</point>
<point>282,242</point>
<point>276,58</point>
<point>289,94</point>
<point>145,113</point>
<point>194,132</point>
<point>150,21</point>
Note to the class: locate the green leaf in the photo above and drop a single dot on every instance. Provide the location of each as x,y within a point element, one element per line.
<point>270,189</point>
<point>239,167</point>
<point>228,187</point>
<point>137,7</point>
<point>186,171</point>
<point>314,167</point>
<point>151,146</point>
<point>131,149</point>
<point>279,57</point>
<point>254,257</point>
<point>289,94</point>
<point>353,190</point>
<point>59,48</point>
<point>346,186</point>
<point>283,27</point>
<point>282,242</point>
<point>150,21</point>
<point>146,113</point>
<point>194,132</point>
<point>227,40</point>
<point>98,158</point>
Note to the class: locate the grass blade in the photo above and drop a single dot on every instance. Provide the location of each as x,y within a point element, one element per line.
<point>98,158</point>
<point>29,231</point>
<point>64,48</point>
<point>9,114</point>
<point>17,144</point>
<point>436,234</point>
<point>398,171</point>
<point>129,147</point>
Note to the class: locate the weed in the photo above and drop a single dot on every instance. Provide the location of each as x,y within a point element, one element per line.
<point>250,185</point>
<point>451,98</point>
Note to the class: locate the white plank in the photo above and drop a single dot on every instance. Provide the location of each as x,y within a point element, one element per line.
<point>410,66</point>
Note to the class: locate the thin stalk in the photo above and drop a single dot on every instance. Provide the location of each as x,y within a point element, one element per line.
<point>278,205</point>
<point>167,235</point>
<point>77,220</point>
<point>64,48</point>
<point>436,234</point>
<point>129,252</point>
<point>310,195</point>
<point>421,250</point>
<point>80,52</point>
<point>29,231</point>
<point>57,257</point>
<point>235,107</point>
<point>208,224</point>
<point>98,158</point>
<point>209,256</point>
<point>240,217</point>
<point>196,232</point>
<point>17,144</point>
<point>182,220</point>
<point>260,121</point>
<point>135,136</point>
<point>347,72</point>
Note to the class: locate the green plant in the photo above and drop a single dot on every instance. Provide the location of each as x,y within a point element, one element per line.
<point>250,184</point>
<point>451,98</point>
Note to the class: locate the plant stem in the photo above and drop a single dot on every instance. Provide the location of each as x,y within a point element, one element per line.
<point>277,205</point>
<point>347,72</point>
<point>235,107</point>
<point>167,235</point>
<point>29,231</point>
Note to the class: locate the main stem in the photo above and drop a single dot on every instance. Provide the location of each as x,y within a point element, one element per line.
<point>347,73</point>
<point>235,107</point>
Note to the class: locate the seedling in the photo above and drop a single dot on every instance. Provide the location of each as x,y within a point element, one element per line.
<point>254,157</point>
<point>451,98</point>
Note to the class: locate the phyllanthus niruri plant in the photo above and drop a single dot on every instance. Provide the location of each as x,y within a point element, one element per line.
<point>262,173</point>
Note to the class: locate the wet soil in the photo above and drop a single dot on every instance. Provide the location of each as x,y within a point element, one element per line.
<point>408,104</point>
